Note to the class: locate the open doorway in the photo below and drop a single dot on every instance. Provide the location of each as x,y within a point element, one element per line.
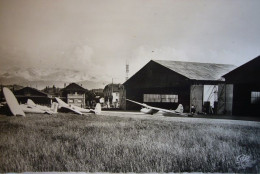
<point>210,99</point>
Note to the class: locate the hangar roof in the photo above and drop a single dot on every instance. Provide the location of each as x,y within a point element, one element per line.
<point>197,71</point>
<point>246,73</point>
<point>28,91</point>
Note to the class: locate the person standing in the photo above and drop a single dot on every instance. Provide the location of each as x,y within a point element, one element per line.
<point>193,109</point>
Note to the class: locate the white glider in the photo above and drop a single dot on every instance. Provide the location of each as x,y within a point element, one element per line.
<point>152,110</point>
<point>31,107</point>
<point>78,110</point>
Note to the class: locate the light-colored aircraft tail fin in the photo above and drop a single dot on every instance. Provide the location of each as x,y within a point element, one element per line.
<point>31,103</point>
<point>98,108</point>
<point>54,107</point>
<point>179,108</point>
<point>61,103</point>
<point>12,102</point>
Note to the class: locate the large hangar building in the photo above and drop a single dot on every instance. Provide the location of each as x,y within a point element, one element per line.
<point>166,84</point>
<point>244,85</point>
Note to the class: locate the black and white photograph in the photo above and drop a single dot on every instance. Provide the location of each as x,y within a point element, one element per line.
<point>130,86</point>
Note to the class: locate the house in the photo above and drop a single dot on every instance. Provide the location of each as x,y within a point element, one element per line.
<point>111,95</point>
<point>37,96</point>
<point>166,84</point>
<point>243,84</point>
<point>74,94</point>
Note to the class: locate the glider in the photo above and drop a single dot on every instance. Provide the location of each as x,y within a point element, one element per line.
<point>152,110</point>
<point>31,107</point>
<point>77,110</point>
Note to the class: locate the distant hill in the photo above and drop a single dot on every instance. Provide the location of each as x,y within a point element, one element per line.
<point>38,78</point>
<point>92,85</point>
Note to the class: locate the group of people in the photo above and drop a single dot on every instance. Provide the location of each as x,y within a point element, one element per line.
<point>205,111</point>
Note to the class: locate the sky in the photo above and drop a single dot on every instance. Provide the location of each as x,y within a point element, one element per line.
<point>98,37</point>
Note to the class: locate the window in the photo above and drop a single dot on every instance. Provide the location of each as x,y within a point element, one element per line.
<point>79,101</point>
<point>255,97</point>
<point>166,98</point>
<point>71,101</point>
<point>169,98</point>
<point>152,98</point>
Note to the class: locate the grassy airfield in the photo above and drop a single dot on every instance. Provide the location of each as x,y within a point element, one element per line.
<point>122,143</point>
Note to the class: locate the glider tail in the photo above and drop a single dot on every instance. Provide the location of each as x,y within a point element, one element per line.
<point>54,107</point>
<point>179,108</point>
<point>98,108</point>
<point>31,103</point>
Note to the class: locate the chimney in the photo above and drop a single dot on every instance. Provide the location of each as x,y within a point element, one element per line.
<point>64,85</point>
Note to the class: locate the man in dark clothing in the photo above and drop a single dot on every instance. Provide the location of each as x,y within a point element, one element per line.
<point>193,109</point>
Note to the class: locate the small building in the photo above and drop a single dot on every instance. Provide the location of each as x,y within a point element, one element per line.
<point>112,95</point>
<point>167,84</point>
<point>35,95</point>
<point>243,84</point>
<point>74,94</point>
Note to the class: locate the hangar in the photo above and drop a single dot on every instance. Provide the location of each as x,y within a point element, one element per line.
<point>166,84</point>
<point>37,96</point>
<point>244,85</point>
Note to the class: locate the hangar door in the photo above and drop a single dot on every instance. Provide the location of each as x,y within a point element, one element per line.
<point>196,97</point>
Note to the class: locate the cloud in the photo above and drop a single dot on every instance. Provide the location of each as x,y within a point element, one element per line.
<point>98,37</point>
<point>79,57</point>
<point>145,53</point>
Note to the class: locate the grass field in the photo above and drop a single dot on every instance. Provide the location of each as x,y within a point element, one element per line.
<point>67,142</point>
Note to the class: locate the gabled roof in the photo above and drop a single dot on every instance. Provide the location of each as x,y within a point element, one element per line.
<point>74,87</point>
<point>30,91</point>
<point>197,71</point>
<point>248,72</point>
